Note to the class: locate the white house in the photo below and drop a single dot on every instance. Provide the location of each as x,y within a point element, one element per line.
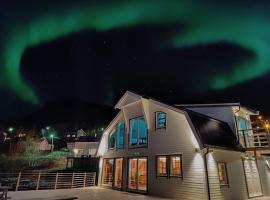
<point>44,145</point>
<point>182,151</point>
<point>82,148</point>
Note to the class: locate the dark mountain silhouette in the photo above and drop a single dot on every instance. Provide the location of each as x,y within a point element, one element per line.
<point>68,112</point>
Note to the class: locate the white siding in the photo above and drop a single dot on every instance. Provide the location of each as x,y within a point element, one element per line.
<point>265,176</point>
<point>214,186</point>
<point>176,138</point>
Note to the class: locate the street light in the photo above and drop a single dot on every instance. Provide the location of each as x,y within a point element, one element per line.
<point>52,136</point>
<point>10,130</point>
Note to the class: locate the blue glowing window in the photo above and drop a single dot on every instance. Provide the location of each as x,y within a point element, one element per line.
<point>138,132</point>
<point>160,120</point>
<point>111,142</point>
<point>120,135</point>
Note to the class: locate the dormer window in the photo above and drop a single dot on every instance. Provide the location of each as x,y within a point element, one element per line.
<point>160,120</point>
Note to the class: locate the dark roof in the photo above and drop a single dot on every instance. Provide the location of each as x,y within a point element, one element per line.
<point>213,132</point>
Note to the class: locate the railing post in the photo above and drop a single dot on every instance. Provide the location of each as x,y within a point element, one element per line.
<point>38,180</point>
<point>72,180</point>
<point>18,181</point>
<point>84,179</point>
<point>56,180</point>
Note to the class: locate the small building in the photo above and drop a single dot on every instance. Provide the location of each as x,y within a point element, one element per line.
<point>44,145</point>
<point>83,146</point>
<point>182,151</point>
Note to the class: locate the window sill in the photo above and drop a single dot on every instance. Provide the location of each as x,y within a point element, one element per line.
<point>137,146</point>
<point>224,184</point>
<point>162,176</point>
<point>176,176</point>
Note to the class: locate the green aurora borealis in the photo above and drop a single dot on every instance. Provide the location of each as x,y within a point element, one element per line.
<point>207,23</point>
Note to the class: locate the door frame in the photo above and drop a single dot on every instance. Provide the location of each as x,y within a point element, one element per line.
<point>147,175</point>
<point>114,166</point>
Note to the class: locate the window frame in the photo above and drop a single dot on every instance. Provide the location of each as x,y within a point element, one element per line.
<point>181,166</point>
<point>156,120</point>
<point>226,183</point>
<point>138,145</point>
<point>168,166</point>
<point>157,167</point>
<point>116,141</point>
<point>115,134</point>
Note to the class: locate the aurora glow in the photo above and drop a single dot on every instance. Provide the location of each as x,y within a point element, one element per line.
<point>208,22</point>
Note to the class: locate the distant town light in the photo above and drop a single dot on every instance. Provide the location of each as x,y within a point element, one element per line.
<point>52,135</point>
<point>75,151</point>
<point>10,129</point>
<point>48,128</point>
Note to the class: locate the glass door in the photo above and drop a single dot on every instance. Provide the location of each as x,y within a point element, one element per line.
<point>107,172</point>
<point>118,173</point>
<point>137,174</point>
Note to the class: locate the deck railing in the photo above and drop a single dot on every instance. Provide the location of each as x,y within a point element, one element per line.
<point>44,180</point>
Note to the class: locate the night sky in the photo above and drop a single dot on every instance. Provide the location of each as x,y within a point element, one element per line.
<point>178,51</point>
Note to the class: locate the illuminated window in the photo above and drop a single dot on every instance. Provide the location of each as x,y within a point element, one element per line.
<point>138,132</point>
<point>175,166</point>
<point>120,135</point>
<point>111,142</point>
<point>107,177</point>
<point>162,166</point>
<point>160,120</point>
<point>222,173</point>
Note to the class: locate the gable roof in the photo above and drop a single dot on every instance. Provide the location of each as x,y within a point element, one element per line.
<point>209,131</point>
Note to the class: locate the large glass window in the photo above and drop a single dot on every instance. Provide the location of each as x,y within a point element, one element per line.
<point>111,141</point>
<point>222,174</point>
<point>160,120</point>
<point>175,166</point>
<point>107,172</point>
<point>138,132</point>
<point>118,172</point>
<point>137,174</point>
<point>162,166</point>
<point>120,135</point>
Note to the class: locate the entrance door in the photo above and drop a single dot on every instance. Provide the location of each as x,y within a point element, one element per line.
<point>252,178</point>
<point>107,174</point>
<point>137,174</point>
<point>118,173</point>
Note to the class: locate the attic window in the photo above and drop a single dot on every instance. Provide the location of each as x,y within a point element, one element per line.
<point>160,120</point>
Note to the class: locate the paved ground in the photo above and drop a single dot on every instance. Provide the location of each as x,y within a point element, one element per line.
<point>92,193</point>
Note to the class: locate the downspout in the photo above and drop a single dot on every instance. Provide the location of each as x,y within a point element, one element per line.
<point>206,172</point>
<point>236,125</point>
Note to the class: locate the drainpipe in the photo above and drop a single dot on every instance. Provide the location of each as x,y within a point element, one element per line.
<point>236,125</point>
<point>206,172</point>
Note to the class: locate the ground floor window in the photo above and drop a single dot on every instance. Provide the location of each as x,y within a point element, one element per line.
<point>161,165</point>
<point>169,165</point>
<point>222,173</point>
<point>118,172</point>
<point>107,171</point>
<point>137,174</point>
<point>175,166</point>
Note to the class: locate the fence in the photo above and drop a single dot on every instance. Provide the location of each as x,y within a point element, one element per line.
<point>42,181</point>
